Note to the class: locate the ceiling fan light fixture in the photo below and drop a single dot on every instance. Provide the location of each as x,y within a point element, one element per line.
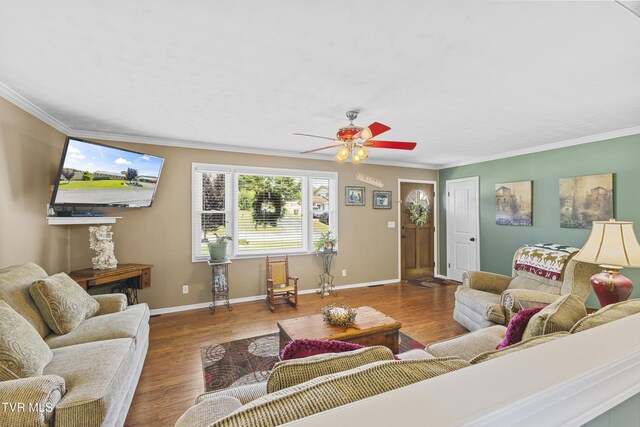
<point>362,153</point>
<point>342,154</point>
<point>355,159</point>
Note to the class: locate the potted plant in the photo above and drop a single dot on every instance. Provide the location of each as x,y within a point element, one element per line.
<point>327,242</point>
<point>218,247</point>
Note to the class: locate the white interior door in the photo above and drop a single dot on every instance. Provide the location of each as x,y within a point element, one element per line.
<point>463,243</point>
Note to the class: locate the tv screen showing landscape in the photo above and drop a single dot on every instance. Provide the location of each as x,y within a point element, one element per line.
<point>93,174</point>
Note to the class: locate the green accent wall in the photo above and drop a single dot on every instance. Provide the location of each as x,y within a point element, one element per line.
<point>620,156</point>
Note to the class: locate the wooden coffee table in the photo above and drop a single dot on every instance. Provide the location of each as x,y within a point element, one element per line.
<point>370,328</point>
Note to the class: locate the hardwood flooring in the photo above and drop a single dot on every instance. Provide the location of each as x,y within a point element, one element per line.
<point>172,375</point>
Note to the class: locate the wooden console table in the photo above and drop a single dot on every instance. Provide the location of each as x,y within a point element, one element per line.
<point>127,277</point>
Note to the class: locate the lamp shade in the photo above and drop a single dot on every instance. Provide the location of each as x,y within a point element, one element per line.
<point>611,243</point>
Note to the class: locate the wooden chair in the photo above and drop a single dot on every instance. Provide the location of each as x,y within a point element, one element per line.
<point>279,282</point>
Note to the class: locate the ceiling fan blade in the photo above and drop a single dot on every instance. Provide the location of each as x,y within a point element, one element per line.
<point>314,136</point>
<point>373,130</point>
<point>395,145</point>
<point>322,148</point>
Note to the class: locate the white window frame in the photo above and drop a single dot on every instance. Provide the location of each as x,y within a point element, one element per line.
<point>231,206</point>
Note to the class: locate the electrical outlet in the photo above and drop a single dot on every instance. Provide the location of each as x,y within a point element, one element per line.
<point>344,273</point>
<point>391,224</point>
<point>185,289</point>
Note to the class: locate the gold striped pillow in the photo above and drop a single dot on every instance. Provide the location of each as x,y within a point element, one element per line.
<point>558,316</point>
<point>531,342</point>
<point>607,314</point>
<point>334,390</point>
<point>291,372</point>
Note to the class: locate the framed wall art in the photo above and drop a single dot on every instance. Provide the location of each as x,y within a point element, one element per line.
<point>513,203</point>
<point>354,196</point>
<point>584,199</point>
<point>382,200</point>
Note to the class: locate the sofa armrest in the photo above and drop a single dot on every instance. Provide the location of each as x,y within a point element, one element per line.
<point>469,345</point>
<point>488,282</point>
<point>111,303</point>
<point>208,412</point>
<point>30,401</point>
<point>244,393</point>
<point>509,299</point>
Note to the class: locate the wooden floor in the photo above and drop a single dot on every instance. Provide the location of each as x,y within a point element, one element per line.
<point>172,375</point>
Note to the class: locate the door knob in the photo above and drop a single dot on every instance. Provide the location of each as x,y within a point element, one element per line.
<point>473,239</point>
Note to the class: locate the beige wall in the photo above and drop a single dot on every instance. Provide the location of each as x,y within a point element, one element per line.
<point>161,235</point>
<point>29,156</point>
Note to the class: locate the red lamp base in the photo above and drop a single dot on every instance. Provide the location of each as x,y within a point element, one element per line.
<point>610,287</point>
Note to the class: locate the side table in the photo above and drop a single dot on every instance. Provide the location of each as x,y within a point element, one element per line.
<point>125,279</point>
<point>219,284</point>
<point>326,278</point>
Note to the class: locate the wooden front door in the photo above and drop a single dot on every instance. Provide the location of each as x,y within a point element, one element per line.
<point>417,240</point>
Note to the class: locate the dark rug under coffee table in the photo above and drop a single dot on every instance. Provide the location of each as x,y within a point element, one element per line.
<point>249,360</point>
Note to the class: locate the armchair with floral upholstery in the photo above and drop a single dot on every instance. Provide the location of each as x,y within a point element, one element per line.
<point>540,274</point>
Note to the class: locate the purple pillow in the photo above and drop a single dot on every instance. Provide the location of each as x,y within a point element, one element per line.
<point>516,327</point>
<point>298,349</point>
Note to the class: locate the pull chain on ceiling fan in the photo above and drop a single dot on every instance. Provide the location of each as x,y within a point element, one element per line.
<point>354,140</point>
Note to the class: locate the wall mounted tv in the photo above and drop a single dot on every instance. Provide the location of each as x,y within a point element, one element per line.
<point>93,174</point>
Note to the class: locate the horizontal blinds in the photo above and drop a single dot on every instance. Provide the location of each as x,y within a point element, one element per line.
<point>210,208</point>
<point>269,213</point>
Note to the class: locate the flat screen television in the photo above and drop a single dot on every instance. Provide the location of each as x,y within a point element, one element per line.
<point>93,174</point>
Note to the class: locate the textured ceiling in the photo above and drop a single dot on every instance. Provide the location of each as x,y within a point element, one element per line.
<point>464,79</point>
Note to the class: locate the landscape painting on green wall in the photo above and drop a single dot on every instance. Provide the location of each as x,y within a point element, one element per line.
<point>584,199</point>
<point>513,203</point>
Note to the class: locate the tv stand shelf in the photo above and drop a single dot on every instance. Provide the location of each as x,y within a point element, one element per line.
<point>81,220</point>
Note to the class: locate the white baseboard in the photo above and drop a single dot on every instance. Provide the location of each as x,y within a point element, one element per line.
<point>199,305</point>
<point>440,276</point>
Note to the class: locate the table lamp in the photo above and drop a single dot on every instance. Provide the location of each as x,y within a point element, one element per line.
<point>613,245</point>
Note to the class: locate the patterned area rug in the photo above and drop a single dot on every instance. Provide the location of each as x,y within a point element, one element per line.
<point>427,282</point>
<point>249,360</point>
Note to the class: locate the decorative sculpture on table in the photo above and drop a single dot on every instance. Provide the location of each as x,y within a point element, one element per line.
<point>100,240</point>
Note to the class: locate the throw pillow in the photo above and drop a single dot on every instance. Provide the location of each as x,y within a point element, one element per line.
<point>23,352</point>
<point>524,344</point>
<point>298,349</point>
<point>516,327</point>
<point>334,390</point>
<point>607,314</point>
<point>62,302</point>
<point>291,372</point>
<point>558,316</point>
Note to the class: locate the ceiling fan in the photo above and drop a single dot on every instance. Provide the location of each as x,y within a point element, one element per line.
<point>354,140</point>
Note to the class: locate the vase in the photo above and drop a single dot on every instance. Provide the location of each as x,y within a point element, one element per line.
<point>218,251</point>
<point>611,287</point>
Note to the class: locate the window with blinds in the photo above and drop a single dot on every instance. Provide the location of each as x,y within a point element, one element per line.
<point>265,211</point>
<point>269,213</point>
<point>210,208</point>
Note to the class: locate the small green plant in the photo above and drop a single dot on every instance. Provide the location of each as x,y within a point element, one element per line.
<point>222,239</point>
<point>327,242</point>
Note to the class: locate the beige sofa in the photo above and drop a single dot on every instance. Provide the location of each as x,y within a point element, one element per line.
<point>258,404</point>
<point>486,299</point>
<point>95,368</point>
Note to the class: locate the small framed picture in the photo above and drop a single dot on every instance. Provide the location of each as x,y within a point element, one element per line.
<point>354,196</point>
<point>382,200</point>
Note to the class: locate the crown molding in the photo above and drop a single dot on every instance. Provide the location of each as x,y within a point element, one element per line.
<point>546,147</point>
<point>229,148</point>
<point>19,101</point>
